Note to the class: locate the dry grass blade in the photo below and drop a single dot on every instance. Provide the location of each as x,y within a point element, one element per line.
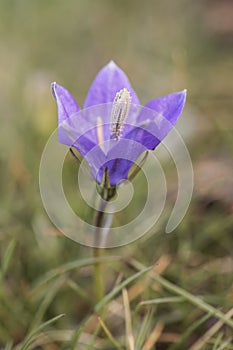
<point>214,329</point>
<point>105,301</point>
<point>109,334</point>
<point>154,336</point>
<point>169,337</point>
<point>193,299</point>
<point>226,345</point>
<point>9,346</point>
<point>178,341</point>
<point>164,300</point>
<point>128,323</point>
<point>137,289</point>
<point>119,288</point>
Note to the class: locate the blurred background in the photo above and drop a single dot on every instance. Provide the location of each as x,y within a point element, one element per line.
<point>163,46</point>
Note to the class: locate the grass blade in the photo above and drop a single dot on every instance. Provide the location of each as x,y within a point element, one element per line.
<point>77,264</point>
<point>31,336</point>
<point>190,330</point>
<point>6,259</point>
<point>144,329</point>
<point>210,333</point>
<point>109,334</point>
<point>154,336</point>
<point>9,346</point>
<point>52,291</point>
<point>106,300</point>
<point>162,301</point>
<point>193,299</point>
<point>128,322</point>
<point>119,288</point>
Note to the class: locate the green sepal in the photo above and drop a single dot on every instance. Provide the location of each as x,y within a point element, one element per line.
<point>136,168</point>
<point>105,189</point>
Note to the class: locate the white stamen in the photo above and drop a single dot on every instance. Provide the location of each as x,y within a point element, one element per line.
<point>120,111</point>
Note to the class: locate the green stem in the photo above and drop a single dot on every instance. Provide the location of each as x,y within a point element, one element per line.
<point>97,277</point>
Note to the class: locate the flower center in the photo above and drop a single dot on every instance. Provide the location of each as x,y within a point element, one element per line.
<point>120,111</point>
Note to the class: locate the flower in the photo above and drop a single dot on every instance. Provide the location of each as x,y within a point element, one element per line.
<point>113,129</point>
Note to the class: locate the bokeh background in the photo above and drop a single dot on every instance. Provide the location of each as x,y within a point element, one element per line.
<point>163,46</point>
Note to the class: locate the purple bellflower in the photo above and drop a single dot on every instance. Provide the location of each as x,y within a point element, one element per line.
<point>113,129</point>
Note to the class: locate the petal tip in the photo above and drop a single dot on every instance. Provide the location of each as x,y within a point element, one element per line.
<point>181,99</point>
<point>183,95</point>
<point>112,64</point>
<point>180,93</point>
<point>53,85</point>
<point>66,103</point>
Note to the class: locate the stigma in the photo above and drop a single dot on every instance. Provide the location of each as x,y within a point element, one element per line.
<point>120,111</point>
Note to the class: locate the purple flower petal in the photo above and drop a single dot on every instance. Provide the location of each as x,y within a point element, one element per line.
<point>78,132</point>
<point>156,119</point>
<point>110,80</point>
<point>119,159</point>
<point>81,142</point>
<point>146,137</point>
<point>169,106</point>
<point>71,121</point>
<point>118,170</point>
<point>66,104</point>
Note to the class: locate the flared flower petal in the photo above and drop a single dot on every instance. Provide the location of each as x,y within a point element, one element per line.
<point>77,131</point>
<point>156,119</point>
<point>170,106</point>
<point>146,137</point>
<point>71,123</point>
<point>66,104</point>
<point>70,137</point>
<point>110,80</point>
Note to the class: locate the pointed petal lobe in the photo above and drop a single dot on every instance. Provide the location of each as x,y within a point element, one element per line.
<point>156,119</point>
<point>110,80</point>
<point>66,104</point>
<point>169,106</point>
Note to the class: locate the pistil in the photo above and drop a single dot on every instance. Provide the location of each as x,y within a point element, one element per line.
<point>120,111</point>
